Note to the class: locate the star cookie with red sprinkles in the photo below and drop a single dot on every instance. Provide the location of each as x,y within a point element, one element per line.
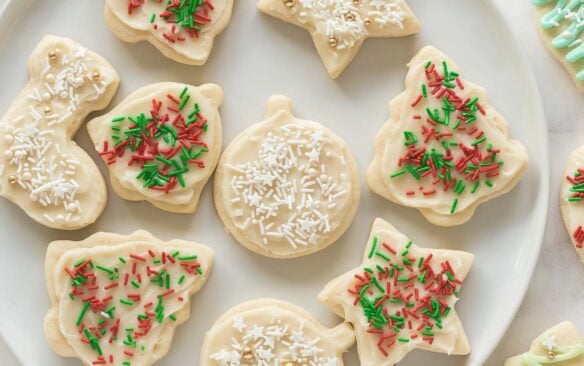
<point>571,199</point>
<point>445,149</point>
<point>401,298</point>
<point>117,299</point>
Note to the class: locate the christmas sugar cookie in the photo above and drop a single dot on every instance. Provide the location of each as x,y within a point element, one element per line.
<point>42,170</point>
<point>286,187</point>
<point>183,30</point>
<point>571,196</point>
<point>561,345</point>
<point>162,143</point>
<point>272,332</point>
<point>444,149</point>
<point>561,25</point>
<point>117,299</point>
<point>339,27</point>
<point>401,298</point>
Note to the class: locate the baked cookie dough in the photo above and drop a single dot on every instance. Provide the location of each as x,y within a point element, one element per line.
<point>561,345</point>
<point>286,187</point>
<point>272,332</point>
<point>561,24</point>
<point>117,299</point>
<point>162,143</point>
<point>444,149</point>
<point>42,170</point>
<point>401,298</point>
<point>571,197</point>
<point>339,27</point>
<point>183,30</point>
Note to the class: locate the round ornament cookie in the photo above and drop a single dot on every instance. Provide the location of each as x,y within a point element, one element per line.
<point>183,30</point>
<point>561,23</point>
<point>162,143</point>
<point>273,332</point>
<point>286,187</point>
<point>42,170</point>
<point>340,27</point>
<point>117,299</point>
<point>571,197</point>
<point>445,149</point>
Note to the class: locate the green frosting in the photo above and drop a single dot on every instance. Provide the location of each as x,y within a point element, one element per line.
<point>561,354</point>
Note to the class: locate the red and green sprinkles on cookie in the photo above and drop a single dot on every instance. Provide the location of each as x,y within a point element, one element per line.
<point>186,17</point>
<point>577,195</point>
<point>165,142</point>
<point>402,297</point>
<point>434,156</point>
<point>91,282</point>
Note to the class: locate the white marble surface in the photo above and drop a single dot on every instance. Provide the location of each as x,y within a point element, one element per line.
<point>557,288</point>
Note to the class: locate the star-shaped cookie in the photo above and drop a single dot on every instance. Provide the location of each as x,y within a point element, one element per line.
<point>117,299</point>
<point>401,298</point>
<point>445,149</point>
<point>561,345</point>
<point>571,197</point>
<point>339,27</point>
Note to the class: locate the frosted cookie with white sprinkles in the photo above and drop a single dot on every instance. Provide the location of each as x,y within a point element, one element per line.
<point>339,27</point>
<point>42,170</point>
<point>445,149</point>
<point>162,143</point>
<point>561,345</point>
<point>286,187</point>
<point>117,299</point>
<point>183,30</point>
<point>273,332</point>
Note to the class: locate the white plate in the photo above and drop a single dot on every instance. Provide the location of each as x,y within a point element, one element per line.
<point>258,56</point>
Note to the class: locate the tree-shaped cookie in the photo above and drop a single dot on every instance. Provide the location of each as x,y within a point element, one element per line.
<point>183,30</point>
<point>42,170</point>
<point>117,299</point>
<point>286,187</point>
<point>444,149</point>
<point>561,23</point>
<point>273,332</point>
<point>561,345</point>
<point>572,197</point>
<point>401,298</point>
<point>162,143</point>
<point>339,27</point>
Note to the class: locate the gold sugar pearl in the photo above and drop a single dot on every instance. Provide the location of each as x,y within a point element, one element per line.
<point>332,42</point>
<point>247,353</point>
<point>551,355</point>
<point>12,179</point>
<point>356,2</point>
<point>349,17</point>
<point>96,76</point>
<point>53,55</point>
<point>367,22</point>
<point>289,3</point>
<point>48,110</point>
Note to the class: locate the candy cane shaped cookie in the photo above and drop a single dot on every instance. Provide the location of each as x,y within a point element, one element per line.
<point>42,170</point>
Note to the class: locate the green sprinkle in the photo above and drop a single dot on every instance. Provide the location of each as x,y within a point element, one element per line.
<point>126,302</point>
<point>373,247</point>
<point>187,258</point>
<point>135,284</point>
<point>398,173</point>
<point>82,313</point>
<point>454,204</point>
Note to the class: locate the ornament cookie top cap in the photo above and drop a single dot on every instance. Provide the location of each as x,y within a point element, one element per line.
<point>286,187</point>
<point>445,149</point>
<point>401,298</point>
<point>273,332</point>
<point>42,170</point>
<point>561,345</point>
<point>183,30</point>
<point>339,27</point>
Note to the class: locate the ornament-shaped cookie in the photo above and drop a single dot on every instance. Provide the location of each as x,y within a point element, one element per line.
<point>286,187</point>
<point>571,199</point>
<point>401,298</point>
<point>561,345</point>
<point>561,24</point>
<point>183,30</point>
<point>162,143</point>
<point>339,27</point>
<point>42,170</point>
<point>273,332</point>
<point>117,299</point>
<point>445,149</point>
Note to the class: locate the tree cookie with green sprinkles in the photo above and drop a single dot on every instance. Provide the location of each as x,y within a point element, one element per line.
<point>286,187</point>
<point>182,30</point>
<point>117,299</point>
<point>572,199</point>
<point>401,298</point>
<point>445,149</point>
<point>162,143</point>
<point>561,345</point>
